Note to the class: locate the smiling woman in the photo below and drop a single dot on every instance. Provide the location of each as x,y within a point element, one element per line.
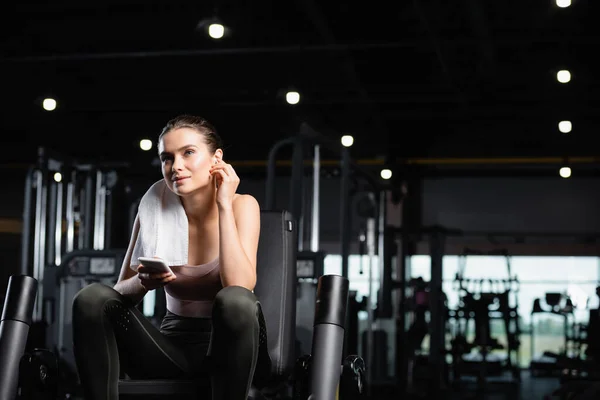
<point>195,221</point>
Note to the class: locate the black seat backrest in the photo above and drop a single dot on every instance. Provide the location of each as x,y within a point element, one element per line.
<point>276,287</point>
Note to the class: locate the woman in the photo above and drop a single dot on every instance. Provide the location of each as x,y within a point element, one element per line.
<point>208,234</point>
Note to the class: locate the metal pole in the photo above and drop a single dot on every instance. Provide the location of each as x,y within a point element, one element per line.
<point>40,239</point>
<point>58,224</point>
<point>70,215</point>
<point>102,212</point>
<point>99,212</point>
<point>26,232</point>
<point>37,225</point>
<point>385,247</point>
<point>370,313</point>
<point>328,336</point>
<point>52,220</point>
<point>314,245</point>
<point>437,318</point>
<point>14,329</point>
<point>296,187</point>
<point>88,206</point>
<point>344,208</point>
<point>111,183</point>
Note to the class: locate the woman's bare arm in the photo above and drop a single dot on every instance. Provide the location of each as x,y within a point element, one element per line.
<point>239,230</point>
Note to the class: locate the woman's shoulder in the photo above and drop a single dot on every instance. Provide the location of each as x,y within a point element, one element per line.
<point>245,202</point>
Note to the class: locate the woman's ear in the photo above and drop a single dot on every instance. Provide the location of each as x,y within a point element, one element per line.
<point>218,157</point>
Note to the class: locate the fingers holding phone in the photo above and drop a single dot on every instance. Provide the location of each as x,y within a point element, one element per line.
<point>153,273</point>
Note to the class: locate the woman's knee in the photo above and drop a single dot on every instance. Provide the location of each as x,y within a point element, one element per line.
<point>93,296</point>
<point>236,307</point>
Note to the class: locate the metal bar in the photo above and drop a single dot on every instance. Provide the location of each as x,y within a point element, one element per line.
<point>384,299</point>
<point>51,220</point>
<point>58,224</point>
<point>215,52</point>
<point>39,306</point>
<point>108,212</point>
<point>26,230</point>
<point>37,226</point>
<point>70,217</point>
<point>314,244</point>
<point>301,50</point>
<point>370,310</point>
<point>345,222</point>
<point>96,234</point>
<point>437,318</point>
<point>14,329</point>
<point>328,333</point>
<point>86,230</point>
<point>99,212</point>
<point>296,187</point>
<point>102,229</point>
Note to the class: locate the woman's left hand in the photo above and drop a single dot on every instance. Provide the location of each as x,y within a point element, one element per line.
<point>227,182</point>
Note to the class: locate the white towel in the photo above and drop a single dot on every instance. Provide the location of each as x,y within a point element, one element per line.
<point>163,227</point>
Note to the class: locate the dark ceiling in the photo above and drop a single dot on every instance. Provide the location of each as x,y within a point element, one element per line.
<point>410,79</point>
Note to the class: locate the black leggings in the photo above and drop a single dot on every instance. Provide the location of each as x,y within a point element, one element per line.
<point>112,337</point>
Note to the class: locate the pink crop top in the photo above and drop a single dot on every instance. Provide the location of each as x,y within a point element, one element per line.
<point>193,292</point>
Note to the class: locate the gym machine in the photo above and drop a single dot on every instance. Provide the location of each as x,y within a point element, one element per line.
<point>78,269</point>
<point>310,261</point>
<point>430,366</point>
<point>68,206</point>
<point>580,372</point>
<point>561,306</point>
<point>480,302</point>
<point>317,375</point>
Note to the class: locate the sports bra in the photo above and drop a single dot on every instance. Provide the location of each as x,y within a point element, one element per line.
<point>193,292</point>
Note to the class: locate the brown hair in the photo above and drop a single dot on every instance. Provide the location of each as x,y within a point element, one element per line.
<point>199,124</point>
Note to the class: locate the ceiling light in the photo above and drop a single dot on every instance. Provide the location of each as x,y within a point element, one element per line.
<point>347,140</point>
<point>386,173</point>
<point>145,144</point>
<point>565,126</point>
<point>563,3</point>
<point>565,172</point>
<point>49,104</point>
<point>213,27</point>
<point>292,97</point>
<point>563,76</point>
<point>216,31</point>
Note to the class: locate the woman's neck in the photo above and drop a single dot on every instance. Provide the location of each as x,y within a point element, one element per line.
<point>200,206</point>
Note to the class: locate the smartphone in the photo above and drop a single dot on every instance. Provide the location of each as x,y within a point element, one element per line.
<point>155,264</point>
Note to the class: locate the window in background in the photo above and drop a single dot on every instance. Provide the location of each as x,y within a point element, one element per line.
<point>575,277</point>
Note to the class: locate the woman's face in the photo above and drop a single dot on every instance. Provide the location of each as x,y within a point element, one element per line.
<point>185,161</point>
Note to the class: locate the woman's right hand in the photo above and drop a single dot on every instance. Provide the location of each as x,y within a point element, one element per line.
<point>153,280</point>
